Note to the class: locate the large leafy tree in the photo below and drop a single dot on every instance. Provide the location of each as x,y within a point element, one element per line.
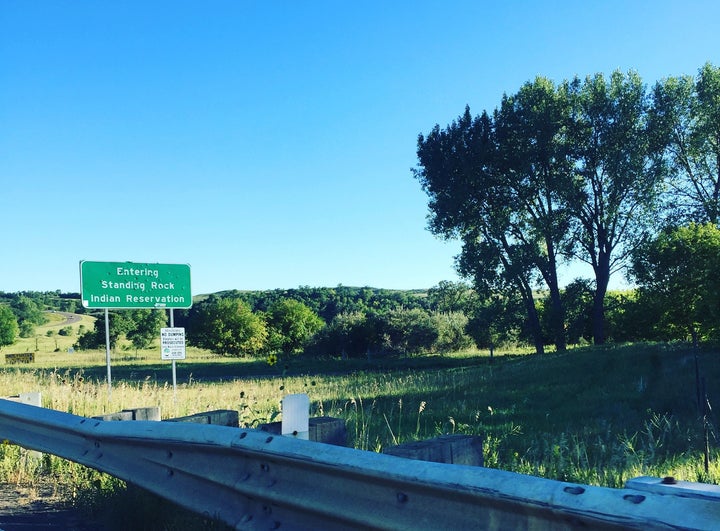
<point>8,326</point>
<point>469,200</point>
<point>677,278</point>
<point>568,170</point>
<point>227,326</point>
<point>688,111</point>
<point>498,184</point>
<point>535,162</point>
<point>618,176</point>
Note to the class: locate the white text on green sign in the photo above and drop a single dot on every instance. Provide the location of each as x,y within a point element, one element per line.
<point>133,285</point>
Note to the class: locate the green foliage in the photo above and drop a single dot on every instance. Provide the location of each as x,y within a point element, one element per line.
<point>577,298</point>
<point>449,296</point>
<point>8,326</point>
<point>29,314</point>
<point>120,323</point>
<point>452,335</point>
<point>348,335</point>
<point>627,319</point>
<point>227,327</point>
<point>495,321</point>
<point>559,170</point>
<point>146,324</point>
<point>470,197</point>
<point>689,117</point>
<point>291,325</point>
<point>402,331</point>
<point>330,302</point>
<point>677,275</point>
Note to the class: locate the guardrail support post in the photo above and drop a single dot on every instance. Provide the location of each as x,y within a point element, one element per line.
<point>451,449</point>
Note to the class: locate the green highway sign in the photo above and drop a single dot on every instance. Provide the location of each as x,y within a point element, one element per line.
<point>132,285</point>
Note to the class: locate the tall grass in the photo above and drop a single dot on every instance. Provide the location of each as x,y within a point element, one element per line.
<point>593,416</point>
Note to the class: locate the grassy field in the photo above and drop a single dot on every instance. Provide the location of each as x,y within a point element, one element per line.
<point>47,338</point>
<point>593,415</point>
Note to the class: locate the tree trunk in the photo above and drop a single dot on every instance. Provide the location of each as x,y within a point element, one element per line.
<point>557,319</point>
<point>602,278</point>
<point>533,320</point>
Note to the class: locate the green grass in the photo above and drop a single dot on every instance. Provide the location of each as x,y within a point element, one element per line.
<point>597,416</point>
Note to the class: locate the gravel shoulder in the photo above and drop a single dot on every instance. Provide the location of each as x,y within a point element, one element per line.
<point>30,508</point>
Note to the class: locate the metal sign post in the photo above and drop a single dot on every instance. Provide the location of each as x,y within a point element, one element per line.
<point>172,347</point>
<point>107,351</point>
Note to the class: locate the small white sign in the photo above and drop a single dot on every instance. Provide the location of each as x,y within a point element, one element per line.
<point>172,343</point>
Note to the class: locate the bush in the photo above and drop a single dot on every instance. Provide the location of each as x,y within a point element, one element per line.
<point>407,332</point>
<point>451,332</point>
<point>349,335</point>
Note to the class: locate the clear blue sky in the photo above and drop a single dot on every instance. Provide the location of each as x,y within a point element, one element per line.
<point>269,144</point>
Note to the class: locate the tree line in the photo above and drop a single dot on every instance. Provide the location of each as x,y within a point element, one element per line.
<point>451,316</point>
<point>603,170</point>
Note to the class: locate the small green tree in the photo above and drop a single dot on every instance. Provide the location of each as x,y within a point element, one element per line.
<point>146,327</point>
<point>452,336</point>
<point>407,332</point>
<point>448,296</point>
<point>578,302</point>
<point>292,324</point>
<point>349,335</point>
<point>119,324</point>
<point>8,326</point>
<point>677,278</point>
<point>228,327</point>
<point>29,314</point>
<point>495,321</point>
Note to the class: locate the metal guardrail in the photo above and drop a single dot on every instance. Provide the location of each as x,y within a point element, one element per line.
<point>252,480</point>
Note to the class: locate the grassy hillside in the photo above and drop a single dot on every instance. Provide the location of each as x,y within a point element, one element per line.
<point>47,338</point>
<point>570,416</point>
<point>593,415</point>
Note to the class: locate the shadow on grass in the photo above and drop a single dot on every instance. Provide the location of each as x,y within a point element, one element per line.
<point>224,369</point>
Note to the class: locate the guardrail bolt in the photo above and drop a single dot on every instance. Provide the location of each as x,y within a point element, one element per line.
<point>669,480</point>
<point>634,498</point>
<point>402,497</point>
